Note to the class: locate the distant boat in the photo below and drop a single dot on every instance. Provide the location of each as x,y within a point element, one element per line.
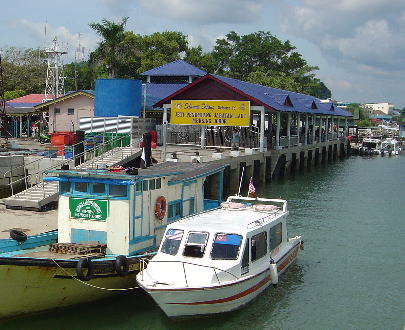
<point>370,146</point>
<point>220,260</point>
<point>107,222</point>
<point>390,146</point>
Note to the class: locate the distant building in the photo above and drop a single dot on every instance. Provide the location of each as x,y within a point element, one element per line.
<point>386,108</point>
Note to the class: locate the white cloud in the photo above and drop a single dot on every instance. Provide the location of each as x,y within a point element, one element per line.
<point>206,11</point>
<point>68,40</point>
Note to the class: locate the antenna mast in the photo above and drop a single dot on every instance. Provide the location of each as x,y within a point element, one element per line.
<point>55,80</point>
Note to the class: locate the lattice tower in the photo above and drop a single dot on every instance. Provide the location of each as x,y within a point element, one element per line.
<point>55,79</point>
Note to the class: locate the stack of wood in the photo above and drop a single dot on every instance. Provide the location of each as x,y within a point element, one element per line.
<point>76,248</point>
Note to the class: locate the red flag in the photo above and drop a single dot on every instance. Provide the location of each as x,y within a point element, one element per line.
<point>252,189</point>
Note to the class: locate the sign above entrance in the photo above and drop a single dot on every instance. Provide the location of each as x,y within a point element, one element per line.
<point>211,113</point>
<point>89,209</point>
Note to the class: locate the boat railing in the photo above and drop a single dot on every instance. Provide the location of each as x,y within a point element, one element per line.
<point>145,262</point>
<point>261,200</point>
<point>96,152</point>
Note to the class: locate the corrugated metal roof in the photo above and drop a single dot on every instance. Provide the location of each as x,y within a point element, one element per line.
<point>175,68</point>
<point>156,92</point>
<point>30,98</point>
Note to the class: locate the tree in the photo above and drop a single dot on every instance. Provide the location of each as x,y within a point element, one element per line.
<point>108,53</point>
<point>262,58</point>
<point>10,95</point>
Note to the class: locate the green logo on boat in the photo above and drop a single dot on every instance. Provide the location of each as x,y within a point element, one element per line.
<point>90,209</point>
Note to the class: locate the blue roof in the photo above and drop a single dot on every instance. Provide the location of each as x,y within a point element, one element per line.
<point>156,92</point>
<point>21,105</point>
<point>175,68</point>
<point>276,98</point>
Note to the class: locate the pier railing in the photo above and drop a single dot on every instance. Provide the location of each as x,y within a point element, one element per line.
<point>89,156</point>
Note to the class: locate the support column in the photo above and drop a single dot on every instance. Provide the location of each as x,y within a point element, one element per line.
<point>21,119</point>
<point>338,127</point>
<point>164,129</point>
<point>299,127</point>
<point>346,133</point>
<point>202,136</point>
<point>289,129</point>
<point>306,130</point>
<point>327,129</point>
<point>313,129</point>
<point>320,129</point>
<point>278,130</point>
<point>261,143</point>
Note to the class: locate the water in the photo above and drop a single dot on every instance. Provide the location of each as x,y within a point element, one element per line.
<point>350,275</point>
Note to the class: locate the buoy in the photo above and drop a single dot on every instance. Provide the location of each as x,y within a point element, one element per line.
<point>273,272</point>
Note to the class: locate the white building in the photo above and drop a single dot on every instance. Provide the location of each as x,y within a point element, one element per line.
<point>386,107</point>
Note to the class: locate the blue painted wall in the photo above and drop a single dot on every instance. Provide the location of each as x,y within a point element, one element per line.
<point>84,235</point>
<point>114,97</point>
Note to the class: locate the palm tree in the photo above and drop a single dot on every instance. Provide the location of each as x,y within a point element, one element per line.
<point>108,52</point>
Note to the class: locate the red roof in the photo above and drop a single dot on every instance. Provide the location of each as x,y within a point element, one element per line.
<point>31,98</point>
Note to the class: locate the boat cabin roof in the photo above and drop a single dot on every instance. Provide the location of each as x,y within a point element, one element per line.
<point>178,172</point>
<point>237,221</point>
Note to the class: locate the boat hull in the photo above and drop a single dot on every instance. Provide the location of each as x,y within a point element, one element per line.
<point>185,302</point>
<point>33,285</point>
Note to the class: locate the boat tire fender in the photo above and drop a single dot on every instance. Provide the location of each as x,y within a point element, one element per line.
<point>121,265</point>
<point>81,265</point>
<point>160,207</point>
<point>18,235</point>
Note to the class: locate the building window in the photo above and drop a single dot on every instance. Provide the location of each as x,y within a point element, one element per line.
<point>145,185</point>
<point>71,111</point>
<point>245,259</point>
<point>276,236</point>
<point>158,183</point>
<point>138,186</point>
<point>56,111</point>
<point>258,246</point>
<point>151,184</point>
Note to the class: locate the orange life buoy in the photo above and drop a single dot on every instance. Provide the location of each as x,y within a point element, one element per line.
<point>160,207</point>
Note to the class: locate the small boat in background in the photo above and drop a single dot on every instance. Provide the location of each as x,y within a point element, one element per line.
<point>390,146</point>
<point>219,260</point>
<point>370,146</point>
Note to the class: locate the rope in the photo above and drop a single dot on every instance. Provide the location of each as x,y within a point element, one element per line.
<point>91,285</point>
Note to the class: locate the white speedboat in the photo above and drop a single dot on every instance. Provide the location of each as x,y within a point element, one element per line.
<point>390,147</point>
<point>218,261</point>
<point>370,146</point>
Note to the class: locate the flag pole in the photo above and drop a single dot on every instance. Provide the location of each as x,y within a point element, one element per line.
<point>241,178</point>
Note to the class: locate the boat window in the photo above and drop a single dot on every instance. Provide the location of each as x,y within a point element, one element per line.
<point>258,246</point>
<point>138,186</point>
<point>81,186</point>
<point>226,246</point>
<point>191,205</point>
<point>145,185</point>
<point>98,188</point>
<point>172,241</point>
<point>174,210</point>
<point>152,185</point>
<point>195,245</point>
<point>64,187</point>
<point>117,190</point>
<point>158,183</point>
<point>245,259</point>
<point>276,236</point>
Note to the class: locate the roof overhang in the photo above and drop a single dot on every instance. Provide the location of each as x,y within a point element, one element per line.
<point>64,98</point>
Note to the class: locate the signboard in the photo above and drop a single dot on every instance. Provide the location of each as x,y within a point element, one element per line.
<point>89,209</point>
<point>211,113</point>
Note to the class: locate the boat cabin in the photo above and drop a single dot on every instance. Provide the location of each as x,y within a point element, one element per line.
<point>129,212</point>
<point>238,237</point>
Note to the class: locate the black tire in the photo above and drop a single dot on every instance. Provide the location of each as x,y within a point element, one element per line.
<point>18,235</point>
<point>81,265</point>
<point>121,265</point>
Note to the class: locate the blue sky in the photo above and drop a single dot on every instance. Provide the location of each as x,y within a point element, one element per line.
<point>359,45</point>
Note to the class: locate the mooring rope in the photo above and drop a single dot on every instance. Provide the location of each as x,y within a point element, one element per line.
<point>91,285</point>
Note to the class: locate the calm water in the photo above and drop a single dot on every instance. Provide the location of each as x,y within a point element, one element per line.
<point>350,276</point>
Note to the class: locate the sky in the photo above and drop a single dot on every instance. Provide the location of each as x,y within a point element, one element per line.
<point>358,45</point>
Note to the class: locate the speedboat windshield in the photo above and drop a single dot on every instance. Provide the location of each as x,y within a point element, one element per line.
<point>172,241</point>
<point>226,246</point>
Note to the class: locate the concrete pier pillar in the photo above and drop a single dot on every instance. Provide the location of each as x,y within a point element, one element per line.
<point>289,129</point>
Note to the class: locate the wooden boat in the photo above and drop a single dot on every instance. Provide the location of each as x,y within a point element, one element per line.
<point>220,260</point>
<point>107,222</point>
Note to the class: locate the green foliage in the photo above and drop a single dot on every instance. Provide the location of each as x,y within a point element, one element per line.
<point>83,74</point>
<point>10,95</point>
<point>364,123</point>
<point>23,69</point>
<point>359,113</point>
<point>109,52</point>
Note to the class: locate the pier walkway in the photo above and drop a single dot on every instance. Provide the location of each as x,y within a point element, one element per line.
<point>38,196</point>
